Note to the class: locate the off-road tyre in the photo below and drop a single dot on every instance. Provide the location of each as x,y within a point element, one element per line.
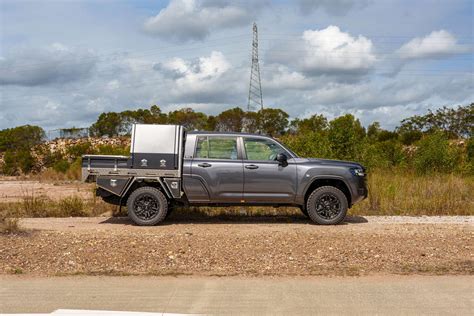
<point>327,205</point>
<point>147,206</point>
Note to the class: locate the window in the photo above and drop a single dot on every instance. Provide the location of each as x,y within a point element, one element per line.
<point>262,149</point>
<point>216,147</point>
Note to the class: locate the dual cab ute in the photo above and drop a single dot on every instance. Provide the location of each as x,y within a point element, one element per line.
<point>168,167</point>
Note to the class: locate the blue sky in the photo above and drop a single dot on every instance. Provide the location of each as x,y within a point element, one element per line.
<point>64,62</point>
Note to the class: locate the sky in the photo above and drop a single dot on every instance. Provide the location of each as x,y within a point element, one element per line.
<point>64,62</point>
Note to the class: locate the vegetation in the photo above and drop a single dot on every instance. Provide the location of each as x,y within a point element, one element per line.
<point>33,205</point>
<point>424,166</point>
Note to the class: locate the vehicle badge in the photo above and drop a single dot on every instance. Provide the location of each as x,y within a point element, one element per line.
<point>144,163</point>
<point>162,163</point>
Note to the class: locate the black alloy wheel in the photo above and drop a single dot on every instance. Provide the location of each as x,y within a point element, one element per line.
<point>327,205</point>
<point>146,206</point>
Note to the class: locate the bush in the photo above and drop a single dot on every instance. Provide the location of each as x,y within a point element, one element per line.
<point>72,206</point>
<point>77,150</point>
<point>61,166</point>
<point>311,144</point>
<point>383,154</point>
<point>434,154</point>
<point>16,162</point>
<point>470,149</point>
<point>112,150</point>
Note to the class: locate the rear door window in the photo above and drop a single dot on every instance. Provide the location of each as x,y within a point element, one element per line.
<point>216,147</point>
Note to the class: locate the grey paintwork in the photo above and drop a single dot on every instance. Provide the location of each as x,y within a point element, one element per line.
<point>238,181</point>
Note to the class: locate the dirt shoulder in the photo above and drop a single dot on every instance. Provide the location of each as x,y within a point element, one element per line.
<point>248,247</point>
<point>13,190</point>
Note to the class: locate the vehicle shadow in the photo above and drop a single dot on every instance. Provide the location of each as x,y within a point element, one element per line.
<point>181,218</point>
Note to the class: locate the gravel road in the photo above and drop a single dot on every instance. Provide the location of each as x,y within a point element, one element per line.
<point>247,247</point>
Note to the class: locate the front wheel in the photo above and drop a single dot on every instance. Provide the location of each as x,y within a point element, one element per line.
<point>147,206</point>
<point>327,205</point>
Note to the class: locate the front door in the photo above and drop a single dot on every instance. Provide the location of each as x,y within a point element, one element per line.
<point>218,167</point>
<point>265,181</point>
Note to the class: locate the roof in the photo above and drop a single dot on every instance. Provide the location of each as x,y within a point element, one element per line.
<point>225,133</point>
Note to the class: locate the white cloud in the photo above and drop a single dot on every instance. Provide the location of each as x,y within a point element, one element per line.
<point>437,44</point>
<point>328,52</point>
<point>55,63</point>
<point>185,20</point>
<point>332,50</point>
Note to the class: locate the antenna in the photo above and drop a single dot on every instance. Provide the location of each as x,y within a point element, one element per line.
<point>255,101</point>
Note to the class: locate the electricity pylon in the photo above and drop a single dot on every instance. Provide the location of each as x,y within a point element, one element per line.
<point>255,101</point>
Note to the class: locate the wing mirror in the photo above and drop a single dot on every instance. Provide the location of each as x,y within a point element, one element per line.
<point>282,160</point>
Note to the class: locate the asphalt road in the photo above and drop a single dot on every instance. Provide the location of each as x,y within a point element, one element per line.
<point>383,295</point>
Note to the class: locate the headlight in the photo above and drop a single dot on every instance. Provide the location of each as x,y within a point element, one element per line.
<point>358,172</point>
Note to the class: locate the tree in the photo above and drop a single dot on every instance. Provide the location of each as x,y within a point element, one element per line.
<point>21,137</point>
<point>188,118</point>
<point>454,122</point>
<point>315,123</point>
<point>108,124</point>
<point>434,154</point>
<point>230,120</point>
<point>157,117</point>
<point>346,135</point>
<point>273,122</point>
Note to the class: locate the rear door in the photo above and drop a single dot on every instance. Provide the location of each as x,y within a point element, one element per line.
<point>217,168</point>
<point>265,180</point>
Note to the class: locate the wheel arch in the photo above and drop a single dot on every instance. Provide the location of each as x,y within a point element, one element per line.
<point>144,182</point>
<point>329,181</point>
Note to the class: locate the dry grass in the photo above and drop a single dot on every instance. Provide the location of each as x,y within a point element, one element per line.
<point>51,175</point>
<point>33,205</point>
<point>394,192</point>
<point>9,225</point>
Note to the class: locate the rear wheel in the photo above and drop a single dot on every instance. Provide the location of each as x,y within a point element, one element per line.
<point>327,205</point>
<point>147,206</point>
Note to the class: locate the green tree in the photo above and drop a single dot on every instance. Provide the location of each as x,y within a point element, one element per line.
<point>454,122</point>
<point>108,124</point>
<point>21,137</point>
<point>346,136</point>
<point>434,154</point>
<point>250,122</point>
<point>231,120</point>
<point>188,118</point>
<point>273,122</point>
<point>315,123</point>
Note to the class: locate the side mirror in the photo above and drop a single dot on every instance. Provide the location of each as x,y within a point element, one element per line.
<point>282,160</point>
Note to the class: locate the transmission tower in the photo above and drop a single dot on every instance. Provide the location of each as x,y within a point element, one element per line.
<point>255,87</point>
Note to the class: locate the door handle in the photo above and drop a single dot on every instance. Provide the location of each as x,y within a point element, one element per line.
<point>251,166</point>
<point>204,165</point>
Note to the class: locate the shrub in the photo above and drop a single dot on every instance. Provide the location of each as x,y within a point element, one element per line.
<point>310,144</point>
<point>345,137</point>
<point>61,166</point>
<point>383,154</point>
<point>33,205</point>
<point>112,150</point>
<point>470,149</point>
<point>9,225</point>
<point>434,154</point>
<point>72,206</point>
<point>77,150</point>
<point>16,162</point>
